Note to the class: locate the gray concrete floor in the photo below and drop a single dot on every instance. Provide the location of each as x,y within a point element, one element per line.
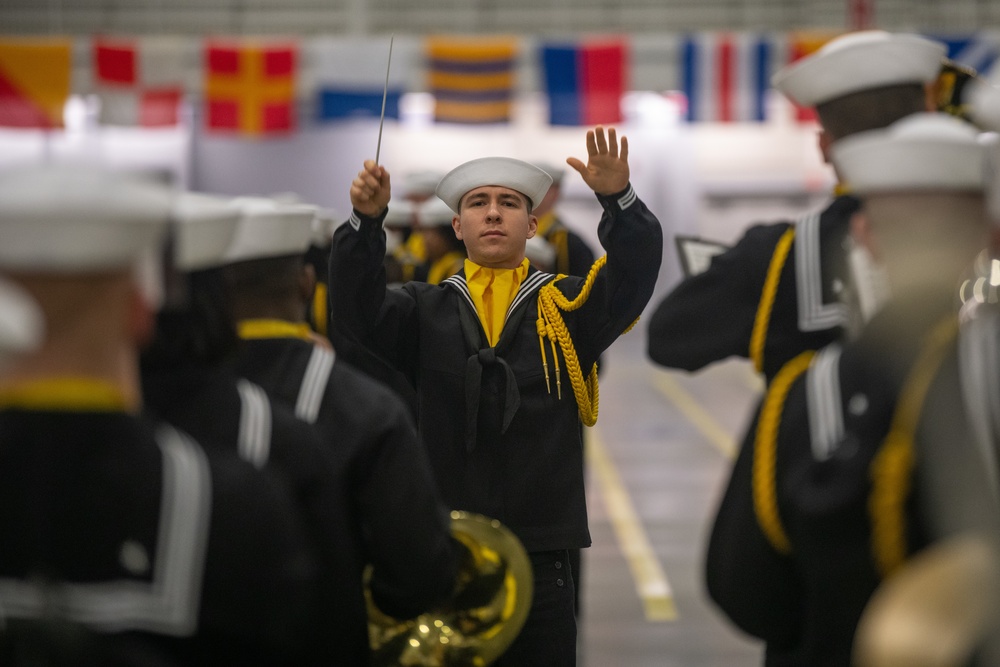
<point>658,460</point>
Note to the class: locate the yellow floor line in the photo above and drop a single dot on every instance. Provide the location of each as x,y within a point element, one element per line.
<point>695,414</point>
<point>650,580</point>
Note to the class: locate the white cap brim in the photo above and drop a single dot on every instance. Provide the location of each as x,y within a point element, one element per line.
<point>204,231</point>
<point>67,219</point>
<point>860,61</point>
<point>435,213</point>
<point>927,151</point>
<point>505,172</point>
<point>269,229</point>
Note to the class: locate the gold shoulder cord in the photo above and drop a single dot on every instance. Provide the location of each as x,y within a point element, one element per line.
<point>765,490</point>
<point>763,317</point>
<point>550,325</point>
<point>892,468</point>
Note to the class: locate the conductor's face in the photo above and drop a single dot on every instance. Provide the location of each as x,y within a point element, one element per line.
<point>494,222</point>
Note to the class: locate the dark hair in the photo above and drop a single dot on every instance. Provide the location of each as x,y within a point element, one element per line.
<point>271,278</point>
<point>199,331</point>
<point>871,109</point>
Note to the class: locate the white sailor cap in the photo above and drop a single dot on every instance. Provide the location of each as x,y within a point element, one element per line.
<point>399,214</point>
<point>69,219</point>
<point>205,228</point>
<point>434,213</point>
<point>22,324</point>
<point>926,151</point>
<point>270,229</point>
<point>860,61</point>
<point>421,183</point>
<point>555,171</point>
<point>984,100</point>
<point>505,172</point>
<point>324,224</point>
<point>540,253</point>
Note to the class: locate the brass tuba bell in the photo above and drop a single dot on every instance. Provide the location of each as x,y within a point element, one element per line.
<point>468,630</point>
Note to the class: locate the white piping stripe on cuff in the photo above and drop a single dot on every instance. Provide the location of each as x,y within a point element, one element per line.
<point>628,198</point>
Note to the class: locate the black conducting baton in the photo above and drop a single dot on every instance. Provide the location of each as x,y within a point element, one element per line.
<point>385,92</point>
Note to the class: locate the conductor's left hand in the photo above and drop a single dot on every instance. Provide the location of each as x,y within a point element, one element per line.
<point>606,171</point>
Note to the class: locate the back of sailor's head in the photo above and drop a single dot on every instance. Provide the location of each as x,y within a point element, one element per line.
<point>864,80</point>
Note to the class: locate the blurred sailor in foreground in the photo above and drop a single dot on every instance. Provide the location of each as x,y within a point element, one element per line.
<point>787,287</point>
<point>123,542</point>
<point>445,251</point>
<point>841,479</point>
<point>499,410</point>
<point>397,523</point>
<point>189,380</point>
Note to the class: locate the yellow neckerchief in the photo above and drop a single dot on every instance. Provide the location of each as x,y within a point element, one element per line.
<point>892,468</point>
<point>65,394</point>
<point>841,189</point>
<point>319,313</point>
<point>492,292</point>
<point>445,267</point>
<point>253,329</point>
<point>414,246</point>
<point>545,223</point>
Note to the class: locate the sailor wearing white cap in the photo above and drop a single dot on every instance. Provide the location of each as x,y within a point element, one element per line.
<point>486,351</point>
<point>364,427</point>
<point>787,286</point>
<point>846,474</point>
<point>190,380</point>
<point>574,256</point>
<point>157,552</point>
<point>445,251</point>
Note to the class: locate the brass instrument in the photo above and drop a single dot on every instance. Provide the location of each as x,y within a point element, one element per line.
<point>468,630</point>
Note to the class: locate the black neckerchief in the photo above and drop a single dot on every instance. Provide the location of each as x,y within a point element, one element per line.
<point>485,355</point>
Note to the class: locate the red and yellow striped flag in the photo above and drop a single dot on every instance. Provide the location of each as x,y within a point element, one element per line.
<point>34,81</point>
<point>250,87</point>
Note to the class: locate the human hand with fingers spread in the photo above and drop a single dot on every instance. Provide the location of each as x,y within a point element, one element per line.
<point>606,171</point>
<point>370,190</point>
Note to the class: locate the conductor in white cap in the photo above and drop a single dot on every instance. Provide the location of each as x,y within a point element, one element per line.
<point>502,355</point>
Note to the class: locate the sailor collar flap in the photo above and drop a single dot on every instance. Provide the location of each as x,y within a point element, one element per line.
<point>484,355</point>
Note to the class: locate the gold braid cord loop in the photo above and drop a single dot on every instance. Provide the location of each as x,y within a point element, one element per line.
<point>550,324</point>
<point>765,453</point>
<point>763,317</point>
<point>892,468</point>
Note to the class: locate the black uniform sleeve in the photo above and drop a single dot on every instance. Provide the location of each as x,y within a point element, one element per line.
<point>406,527</point>
<point>709,317</point>
<point>363,312</point>
<point>260,573</point>
<point>754,585</point>
<point>581,257</point>
<point>633,239</point>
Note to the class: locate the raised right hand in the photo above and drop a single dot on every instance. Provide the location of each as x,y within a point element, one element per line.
<point>370,190</point>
